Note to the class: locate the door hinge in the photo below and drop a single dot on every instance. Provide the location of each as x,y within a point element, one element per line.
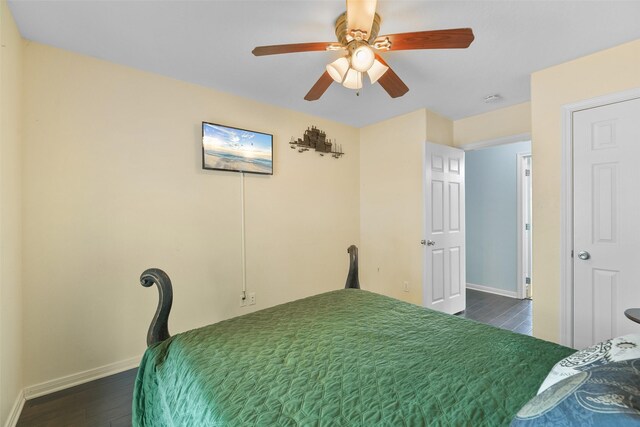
<point>527,227</point>
<point>527,280</point>
<point>527,172</point>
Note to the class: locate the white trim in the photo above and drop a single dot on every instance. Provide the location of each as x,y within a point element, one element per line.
<point>520,223</point>
<point>520,226</point>
<point>489,289</point>
<point>72,380</point>
<point>425,206</point>
<point>566,230</point>
<point>16,410</point>
<point>523,137</point>
<point>566,205</point>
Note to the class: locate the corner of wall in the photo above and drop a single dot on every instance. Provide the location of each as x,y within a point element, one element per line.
<point>11,327</point>
<point>500,123</point>
<point>391,205</point>
<point>439,129</point>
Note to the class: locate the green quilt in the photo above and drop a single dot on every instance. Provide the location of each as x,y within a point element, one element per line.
<point>344,358</point>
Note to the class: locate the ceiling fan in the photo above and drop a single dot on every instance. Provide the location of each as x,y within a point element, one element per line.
<point>357,33</point>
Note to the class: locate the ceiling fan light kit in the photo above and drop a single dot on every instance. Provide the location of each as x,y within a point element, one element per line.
<point>353,80</point>
<point>348,70</point>
<point>376,71</point>
<point>338,69</point>
<point>357,32</point>
<point>362,57</point>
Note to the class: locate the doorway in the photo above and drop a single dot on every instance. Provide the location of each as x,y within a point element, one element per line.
<point>499,224</point>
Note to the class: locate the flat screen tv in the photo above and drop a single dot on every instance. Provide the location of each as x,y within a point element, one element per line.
<point>238,150</point>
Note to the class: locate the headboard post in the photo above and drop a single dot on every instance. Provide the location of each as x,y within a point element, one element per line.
<point>159,328</point>
<point>352,279</point>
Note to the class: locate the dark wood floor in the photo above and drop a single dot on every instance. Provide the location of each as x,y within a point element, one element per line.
<point>107,402</point>
<point>503,312</point>
<point>101,403</point>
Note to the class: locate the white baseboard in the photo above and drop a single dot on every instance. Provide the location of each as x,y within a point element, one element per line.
<point>62,383</point>
<point>16,410</point>
<point>489,289</point>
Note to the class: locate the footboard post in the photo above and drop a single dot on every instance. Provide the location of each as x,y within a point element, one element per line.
<point>159,328</point>
<point>352,277</point>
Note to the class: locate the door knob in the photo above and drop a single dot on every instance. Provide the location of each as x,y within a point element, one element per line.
<point>427,242</point>
<point>584,255</point>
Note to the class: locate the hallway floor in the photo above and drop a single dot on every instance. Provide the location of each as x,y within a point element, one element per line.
<point>503,312</point>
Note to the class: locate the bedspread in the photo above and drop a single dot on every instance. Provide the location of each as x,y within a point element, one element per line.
<point>348,357</point>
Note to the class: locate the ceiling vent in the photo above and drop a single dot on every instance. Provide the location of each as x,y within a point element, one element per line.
<point>492,99</point>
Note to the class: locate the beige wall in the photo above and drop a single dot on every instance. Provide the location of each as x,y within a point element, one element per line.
<point>392,201</point>
<point>508,121</point>
<point>439,129</point>
<point>605,72</point>
<point>113,185</point>
<point>391,205</point>
<point>10,213</point>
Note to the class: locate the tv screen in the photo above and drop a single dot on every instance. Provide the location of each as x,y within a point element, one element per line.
<point>239,150</point>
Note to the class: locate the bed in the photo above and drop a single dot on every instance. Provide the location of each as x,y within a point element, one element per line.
<point>347,357</point>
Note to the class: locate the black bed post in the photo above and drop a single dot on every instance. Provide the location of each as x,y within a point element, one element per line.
<point>352,278</point>
<point>159,329</point>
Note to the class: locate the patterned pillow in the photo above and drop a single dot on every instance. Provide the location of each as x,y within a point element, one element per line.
<point>606,395</point>
<point>614,350</point>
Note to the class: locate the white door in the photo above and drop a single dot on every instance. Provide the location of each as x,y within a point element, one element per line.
<point>445,276</point>
<point>606,201</point>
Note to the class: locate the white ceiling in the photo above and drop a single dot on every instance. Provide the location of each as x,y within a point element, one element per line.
<point>210,43</point>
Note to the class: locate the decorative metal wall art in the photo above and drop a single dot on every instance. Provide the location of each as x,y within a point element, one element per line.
<point>316,139</point>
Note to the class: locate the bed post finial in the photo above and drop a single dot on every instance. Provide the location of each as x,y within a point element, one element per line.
<point>159,329</point>
<point>352,278</point>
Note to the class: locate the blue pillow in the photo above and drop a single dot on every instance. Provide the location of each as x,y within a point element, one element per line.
<point>605,395</point>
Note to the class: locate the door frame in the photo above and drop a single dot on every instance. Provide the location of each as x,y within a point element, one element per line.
<point>566,204</point>
<point>520,289</point>
<point>511,139</point>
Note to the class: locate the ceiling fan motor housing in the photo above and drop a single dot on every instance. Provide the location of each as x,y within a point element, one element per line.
<point>342,32</point>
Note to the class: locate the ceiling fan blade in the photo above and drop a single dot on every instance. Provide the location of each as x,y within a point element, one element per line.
<point>360,14</point>
<point>390,81</point>
<point>277,49</point>
<point>458,38</point>
<point>319,88</point>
